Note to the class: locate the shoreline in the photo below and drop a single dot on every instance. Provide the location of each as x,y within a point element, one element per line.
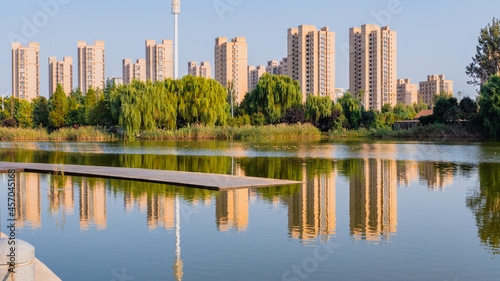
<point>297,132</point>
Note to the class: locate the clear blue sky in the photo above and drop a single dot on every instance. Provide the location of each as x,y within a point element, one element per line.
<point>434,37</point>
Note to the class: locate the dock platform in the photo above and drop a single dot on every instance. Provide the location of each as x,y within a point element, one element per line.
<point>197,180</point>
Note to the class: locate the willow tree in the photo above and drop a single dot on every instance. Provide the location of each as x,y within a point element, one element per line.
<point>273,95</point>
<point>318,107</point>
<point>202,101</point>
<point>145,106</point>
<point>352,110</point>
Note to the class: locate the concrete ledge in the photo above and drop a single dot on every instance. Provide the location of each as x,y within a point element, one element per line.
<point>42,272</point>
<point>197,180</point>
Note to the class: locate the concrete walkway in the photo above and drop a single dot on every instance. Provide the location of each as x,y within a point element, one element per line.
<point>198,180</point>
<point>42,272</point>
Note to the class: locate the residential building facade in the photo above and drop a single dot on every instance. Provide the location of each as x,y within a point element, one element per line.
<point>159,60</point>
<point>434,85</point>
<point>60,72</point>
<point>373,65</point>
<point>254,74</point>
<point>134,71</point>
<point>25,71</point>
<point>273,67</point>
<point>203,70</point>
<point>407,92</point>
<point>311,59</point>
<point>231,62</point>
<point>91,66</point>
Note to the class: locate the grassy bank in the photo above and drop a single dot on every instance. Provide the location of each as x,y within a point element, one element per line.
<point>64,134</point>
<point>270,132</point>
<point>431,131</point>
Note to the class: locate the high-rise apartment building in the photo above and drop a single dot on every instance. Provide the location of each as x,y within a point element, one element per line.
<point>284,66</point>
<point>311,59</point>
<point>91,66</point>
<point>407,92</point>
<point>60,72</point>
<point>254,74</point>
<point>273,67</point>
<point>203,70</point>
<point>25,71</point>
<point>193,68</point>
<point>134,71</point>
<point>231,62</point>
<point>434,85</point>
<point>159,60</point>
<point>373,65</point>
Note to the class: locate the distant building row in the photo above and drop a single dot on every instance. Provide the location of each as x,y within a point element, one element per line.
<point>158,65</point>
<point>310,60</point>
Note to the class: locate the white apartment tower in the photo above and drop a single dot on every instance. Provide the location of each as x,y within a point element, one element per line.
<point>91,66</point>
<point>373,65</point>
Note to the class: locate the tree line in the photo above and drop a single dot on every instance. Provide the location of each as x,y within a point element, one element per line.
<point>171,104</point>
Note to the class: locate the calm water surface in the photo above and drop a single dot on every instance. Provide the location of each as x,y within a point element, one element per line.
<point>369,211</point>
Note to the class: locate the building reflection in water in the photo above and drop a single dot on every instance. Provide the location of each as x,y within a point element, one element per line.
<point>311,211</point>
<point>407,172</point>
<point>231,209</point>
<point>437,175</point>
<point>93,204</point>
<point>28,206</point>
<point>160,211</point>
<point>373,200</point>
<point>61,194</point>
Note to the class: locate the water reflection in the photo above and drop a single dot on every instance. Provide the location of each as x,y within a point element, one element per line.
<point>231,210</point>
<point>485,204</point>
<point>28,206</point>
<point>311,211</point>
<point>311,208</point>
<point>92,204</point>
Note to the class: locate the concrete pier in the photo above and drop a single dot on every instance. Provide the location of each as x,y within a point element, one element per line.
<point>42,272</point>
<point>197,180</point>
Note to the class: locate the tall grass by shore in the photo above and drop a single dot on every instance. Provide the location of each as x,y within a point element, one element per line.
<point>64,134</point>
<point>431,131</point>
<point>270,132</point>
<point>23,134</point>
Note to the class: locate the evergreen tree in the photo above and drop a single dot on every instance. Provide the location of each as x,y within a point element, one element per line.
<point>40,113</point>
<point>23,114</point>
<point>486,62</point>
<point>59,108</point>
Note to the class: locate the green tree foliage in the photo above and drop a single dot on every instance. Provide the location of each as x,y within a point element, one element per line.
<point>318,107</point>
<point>486,61</point>
<point>58,108</point>
<point>446,110</point>
<point>40,114</point>
<point>468,108</point>
<point>272,96</point>
<point>352,110</point>
<point>292,116</point>
<point>23,114</point>
<point>202,101</point>
<point>90,107</point>
<point>485,205</point>
<point>146,106</point>
<point>419,106</point>
<point>387,108</point>
<point>489,105</point>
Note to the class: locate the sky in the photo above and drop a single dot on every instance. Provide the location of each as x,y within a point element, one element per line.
<point>434,37</point>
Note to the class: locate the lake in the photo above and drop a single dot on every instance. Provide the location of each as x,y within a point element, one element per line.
<point>369,210</point>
